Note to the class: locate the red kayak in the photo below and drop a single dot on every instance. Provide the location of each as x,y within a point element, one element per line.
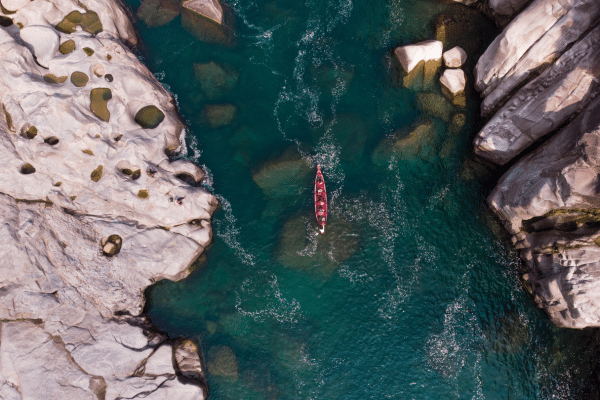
<point>320,200</point>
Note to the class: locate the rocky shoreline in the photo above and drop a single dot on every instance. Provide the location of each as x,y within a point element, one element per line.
<point>95,208</point>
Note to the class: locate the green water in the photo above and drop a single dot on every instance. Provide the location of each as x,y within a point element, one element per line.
<point>412,292</point>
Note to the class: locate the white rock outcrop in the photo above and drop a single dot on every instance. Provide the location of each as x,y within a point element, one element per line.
<point>544,104</point>
<point>420,62</point>
<point>536,37</point>
<point>455,57</point>
<point>454,81</point>
<point>210,9</point>
<point>92,210</point>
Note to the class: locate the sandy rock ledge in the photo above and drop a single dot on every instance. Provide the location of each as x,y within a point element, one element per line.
<point>93,211</point>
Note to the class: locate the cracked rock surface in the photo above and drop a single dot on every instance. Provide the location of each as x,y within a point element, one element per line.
<point>92,210</point>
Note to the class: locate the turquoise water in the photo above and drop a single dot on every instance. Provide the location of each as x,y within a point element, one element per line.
<point>412,292</point>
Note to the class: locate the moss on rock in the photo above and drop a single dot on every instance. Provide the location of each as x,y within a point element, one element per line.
<point>79,79</point>
<point>67,47</point>
<point>89,51</point>
<point>96,174</point>
<point>27,169</point>
<point>99,98</point>
<point>53,79</point>
<point>143,194</point>
<point>88,151</point>
<point>135,175</point>
<point>149,117</point>
<point>8,118</point>
<point>89,22</point>
<point>30,132</point>
<point>111,246</point>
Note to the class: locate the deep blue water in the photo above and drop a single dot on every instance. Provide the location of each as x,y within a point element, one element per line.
<point>412,293</point>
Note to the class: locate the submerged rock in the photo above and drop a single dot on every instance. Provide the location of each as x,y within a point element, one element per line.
<point>222,362</point>
<point>215,80</point>
<point>158,12</point>
<point>420,63</point>
<point>218,115</point>
<point>435,105</point>
<point>419,140</point>
<point>285,176</point>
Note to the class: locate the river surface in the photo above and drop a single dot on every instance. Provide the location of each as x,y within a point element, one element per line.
<point>412,292</point>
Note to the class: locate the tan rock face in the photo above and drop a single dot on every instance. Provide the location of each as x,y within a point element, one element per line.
<point>453,83</point>
<point>420,63</point>
<point>210,9</point>
<point>455,57</point>
<point>205,20</point>
<point>77,154</point>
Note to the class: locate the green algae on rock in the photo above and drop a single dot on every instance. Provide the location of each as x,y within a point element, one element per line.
<point>89,22</point>
<point>88,151</point>
<point>52,140</point>
<point>27,169</point>
<point>99,98</point>
<point>67,47</point>
<point>96,174</point>
<point>405,144</point>
<point>435,105</point>
<point>158,12</point>
<point>89,51</point>
<point>29,131</point>
<point>111,246</point>
<point>149,117</point>
<point>53,79</point>
<point>143,194</point>
<point>79,79</point>
<point>215,80</point>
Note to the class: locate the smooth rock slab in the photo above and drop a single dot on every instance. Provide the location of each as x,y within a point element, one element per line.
<point>543,104</point>
<point>420,63</point>
<point>43,40</point>
<point>455,57</point>
<point>204,19</point>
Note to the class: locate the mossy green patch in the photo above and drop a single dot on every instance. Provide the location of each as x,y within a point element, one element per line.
<point>89,22</point>
<point>99,98</point>
<point>8,118</point>
<point>108,57</point>
<point>30,132</point>
<point>88,151</point>
<point>149,117</point>
<point>27,169</point>
<point>79,79</point>
<point>126,171</point>
<point>20,25</point>
<point>67,47</point>
<point>5,11</point>
<point>96,174</point>
<point>112,245</point>
<point>51,78</point>
<point>89,51</point>
<point>143,194</point>
<point>57,184</point>
<point>52,140</point>
<point>135,175</point>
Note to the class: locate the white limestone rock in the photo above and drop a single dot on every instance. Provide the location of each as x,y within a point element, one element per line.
<point>538,35</point>
<point>60,211</point>
<point>14,5</point>
<point>454,81</point>
<point>205,20</point>
<point>548,201</point>
<point>507,8</point>
<point>420,63</point>
<point>44,42</point>
<point>455,57</point>
<point>544,104</point>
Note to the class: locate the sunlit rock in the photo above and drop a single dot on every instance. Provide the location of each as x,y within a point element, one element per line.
<point>544,104</point>
<point>43,41</point>
<point>420,63</point>
<point>453,86</point>
<point>455,57</point>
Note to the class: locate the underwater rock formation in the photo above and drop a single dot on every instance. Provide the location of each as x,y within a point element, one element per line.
<point>93,210</point>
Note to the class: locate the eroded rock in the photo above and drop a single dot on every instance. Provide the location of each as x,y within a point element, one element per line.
<point>453,83</point>
<point>420,63</point>
<point>455,57</point>
<point>205,19</point>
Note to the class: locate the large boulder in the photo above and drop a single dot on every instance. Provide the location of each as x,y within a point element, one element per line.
<point>455,57</point>
<point>538,35</point>
<point>549,202</point>
<point>544,104</point>
<point>284,176</point>
<point>453,83</point>
<point>418,140</point>
<point>420,63</point>
<point>215,80</point>
<point>205,20</point>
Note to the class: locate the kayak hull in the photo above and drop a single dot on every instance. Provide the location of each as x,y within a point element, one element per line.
<point>320,200</point>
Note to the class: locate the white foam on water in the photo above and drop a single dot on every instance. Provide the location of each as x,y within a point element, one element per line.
<point>226,229</point>
<point>277,306</point>
<point>393,22</point>
<point>338,12</point>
